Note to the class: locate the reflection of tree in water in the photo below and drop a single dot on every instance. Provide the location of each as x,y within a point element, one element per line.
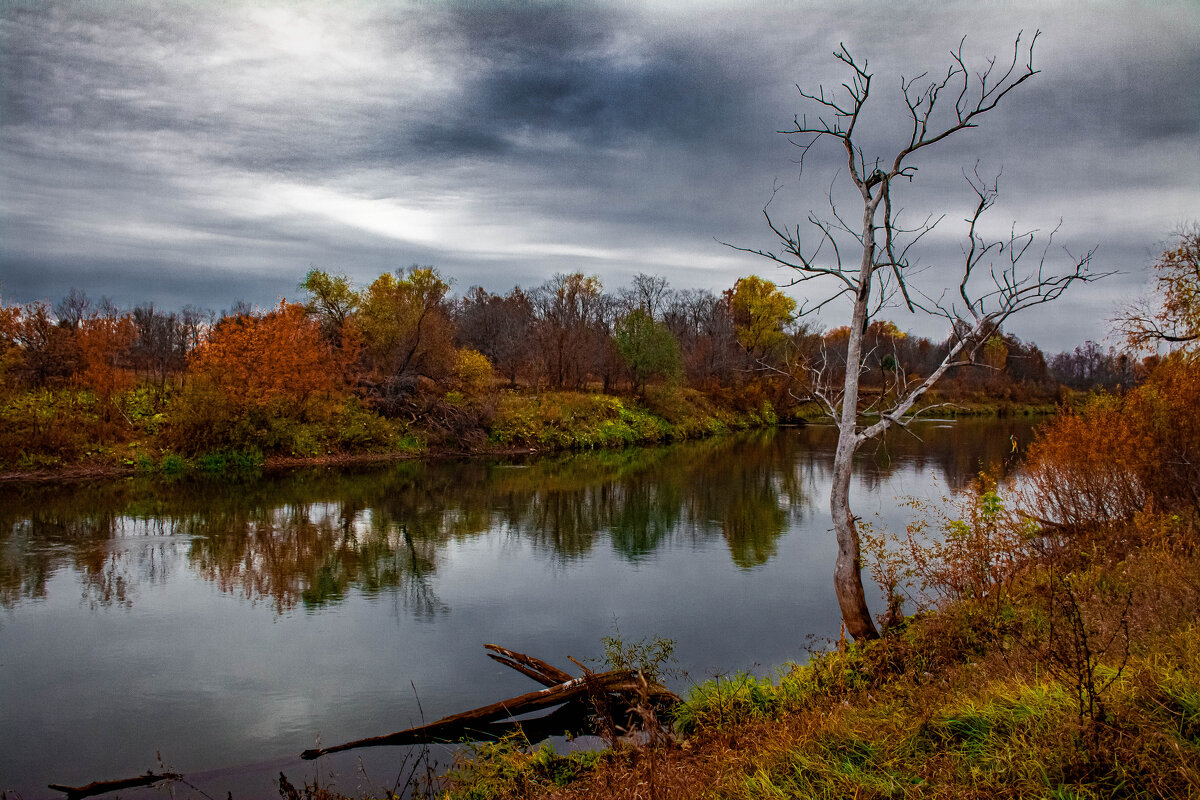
<point>644,498</point>
<point>311,538</point>
<point>644,513</point>
<point>312,553</point>
<point>98,546</point>
<point>563,504</point>
<point>310,559</point>
<point>958,450</point>
<point>751,499</point>
<point>307,551</point>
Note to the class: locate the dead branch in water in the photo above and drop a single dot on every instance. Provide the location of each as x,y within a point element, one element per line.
<point>103,787</point>
<point>478,723</point>
<point>535,668</point>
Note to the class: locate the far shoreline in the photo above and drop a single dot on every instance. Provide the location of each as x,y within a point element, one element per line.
<point>101,471</point>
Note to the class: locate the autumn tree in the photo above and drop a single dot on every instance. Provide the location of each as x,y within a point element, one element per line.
<point>1117,456</point>
<point>195,322</point>
<point>1026,366</point>
<point>1171,316</point>
<point>499,326</point>
<point>49,351</point>
<point>103,341</point>
<point>407,334</point>
<point>331,299</point>
<point>274,361</point>
<point>864,257</point>
<point>72,309</point>
<point>568,329</point>
<point>10,350</point>
<point>1089,366</point>
<point>702,324</point>
<point>160,343</point>
<point>760,314</point>
<point>647,292</point>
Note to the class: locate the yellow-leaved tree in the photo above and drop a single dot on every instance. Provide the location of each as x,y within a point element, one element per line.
<point>761,313</point>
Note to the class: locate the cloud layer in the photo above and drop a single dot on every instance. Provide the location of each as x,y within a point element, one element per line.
<point>202,153</point>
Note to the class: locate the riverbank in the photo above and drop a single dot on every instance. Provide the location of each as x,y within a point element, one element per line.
<point>515,424</point>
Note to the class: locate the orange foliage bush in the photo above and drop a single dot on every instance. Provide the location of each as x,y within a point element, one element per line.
<point>1084,466</point>
<point>1166,412</point>
<point>275,360</point>
<point>1112,458</point>
<point>102,342</point>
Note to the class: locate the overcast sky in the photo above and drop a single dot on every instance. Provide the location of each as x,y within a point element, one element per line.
<point>208,152</point>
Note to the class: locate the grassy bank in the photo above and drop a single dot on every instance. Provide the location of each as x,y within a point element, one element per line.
<point>576,420</point>
<point>64,435</point>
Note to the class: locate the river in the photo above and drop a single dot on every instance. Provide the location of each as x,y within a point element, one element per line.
<point>218,629</point>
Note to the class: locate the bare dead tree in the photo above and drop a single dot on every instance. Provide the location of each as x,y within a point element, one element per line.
<point>868,261</point>
<point>73,308</point>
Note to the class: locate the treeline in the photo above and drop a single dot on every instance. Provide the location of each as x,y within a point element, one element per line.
<point>402,361</point>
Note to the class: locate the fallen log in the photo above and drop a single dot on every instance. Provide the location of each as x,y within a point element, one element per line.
<point>103,787</point>
<point>616,681</point>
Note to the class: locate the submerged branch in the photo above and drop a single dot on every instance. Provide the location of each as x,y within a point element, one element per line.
<point>103,787</point>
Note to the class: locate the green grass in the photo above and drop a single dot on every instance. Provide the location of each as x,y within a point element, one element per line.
<point>513,767</point>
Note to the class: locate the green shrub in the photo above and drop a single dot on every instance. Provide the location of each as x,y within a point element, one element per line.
<point>650,655</point>
<point>230,462</point>
<point>143,407</point>
<point>197,419</point>
<point>361,430</point>
<point>172,464</point>
<point>47,427</point>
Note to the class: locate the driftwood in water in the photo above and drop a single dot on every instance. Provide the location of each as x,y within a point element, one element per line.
<point>481,723</point>
<point>102,787</point>
<point>446,728</point>
<point>535,668</point>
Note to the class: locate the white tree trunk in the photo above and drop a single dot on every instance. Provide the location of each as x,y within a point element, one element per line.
<point>847,573</point>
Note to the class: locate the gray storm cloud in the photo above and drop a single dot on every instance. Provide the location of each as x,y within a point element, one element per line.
<point>202,153</point>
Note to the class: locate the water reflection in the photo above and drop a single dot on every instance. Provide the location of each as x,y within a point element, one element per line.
<point>309,538</point>
<point>225,626</point>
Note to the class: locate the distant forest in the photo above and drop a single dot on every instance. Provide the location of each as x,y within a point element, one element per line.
<point>355,367</point>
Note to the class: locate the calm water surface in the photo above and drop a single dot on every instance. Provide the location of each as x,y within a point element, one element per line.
<point>226,628</point>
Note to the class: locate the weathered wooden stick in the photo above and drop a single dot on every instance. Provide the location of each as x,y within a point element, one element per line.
<point>102,787</point>
<point>550,672</point>
<point>524,670</point>
<point>617,681</point>
<point>529,672</point>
